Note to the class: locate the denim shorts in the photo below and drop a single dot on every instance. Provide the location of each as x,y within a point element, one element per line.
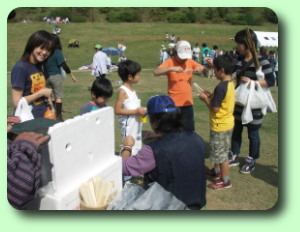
<point>220,143</point>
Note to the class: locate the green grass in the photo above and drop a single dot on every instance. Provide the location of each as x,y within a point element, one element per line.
<point>258,191</point>
<point>143,40</point>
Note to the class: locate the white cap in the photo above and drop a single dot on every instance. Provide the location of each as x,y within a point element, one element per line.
<point>184,50</point>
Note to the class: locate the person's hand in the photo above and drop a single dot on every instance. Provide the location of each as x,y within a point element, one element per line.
<point>245,79</point>
<point>46,92</point>
<point>141,111</point>
<point>12,119</point>
<point>129,141</point>
<point>73,79</point>
<point>203,96</point>
<point>209,61</point>
<point>177,69</point>
<point>35,138</point>
<point>207,93</point>
<point>200,68</point>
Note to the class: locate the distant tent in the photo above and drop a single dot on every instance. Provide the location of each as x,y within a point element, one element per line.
<point>267,39</point>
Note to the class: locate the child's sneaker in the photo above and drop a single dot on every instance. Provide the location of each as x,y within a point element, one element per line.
<point>220,185</point>
<point>215,176</point>
<point>233,159</point>
<point>249,166</point>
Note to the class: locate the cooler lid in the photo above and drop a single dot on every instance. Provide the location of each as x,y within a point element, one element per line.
<point>79,146</point>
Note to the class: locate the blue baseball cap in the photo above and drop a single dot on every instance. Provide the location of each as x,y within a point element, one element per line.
<point>161,104</point>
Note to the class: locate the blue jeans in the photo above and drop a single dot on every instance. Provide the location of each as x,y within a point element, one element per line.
<point>188,117</point>
<point>253,136</point>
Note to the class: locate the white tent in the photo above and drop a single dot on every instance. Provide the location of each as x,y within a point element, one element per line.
<point>267,39</point>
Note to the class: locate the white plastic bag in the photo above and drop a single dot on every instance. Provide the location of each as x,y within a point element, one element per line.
<point>271,106</point>
<point>23,110</point>
<point>260,74</point>
<point>242,93</point>
<point>63,73</point>
<point>258,99</point>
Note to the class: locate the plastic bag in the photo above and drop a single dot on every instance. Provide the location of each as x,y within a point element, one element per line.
<point>23,110</point>
<point>63,73</point>
<point>157,198</point>
<point>134,197</point>
<point>257,96</point>
<point>125,199</point>
<point>271,106</point>
<point>260,74</point>
<point>242,93</point>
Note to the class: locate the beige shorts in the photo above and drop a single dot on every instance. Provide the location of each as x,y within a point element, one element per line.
<point>55,82</point>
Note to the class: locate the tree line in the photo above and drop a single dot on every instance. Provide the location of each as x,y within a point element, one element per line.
<point>232,15</point>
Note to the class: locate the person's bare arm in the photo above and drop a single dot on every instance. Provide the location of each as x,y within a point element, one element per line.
<point>18,93</point>
<point>119,102</point>
<point>204,97</point>
<point>163,71</point>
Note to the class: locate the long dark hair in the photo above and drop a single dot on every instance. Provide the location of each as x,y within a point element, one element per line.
<point>240,37</point>
<point>39,38</point>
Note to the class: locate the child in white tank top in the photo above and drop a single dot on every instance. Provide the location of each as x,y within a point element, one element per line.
<point>128,105</point>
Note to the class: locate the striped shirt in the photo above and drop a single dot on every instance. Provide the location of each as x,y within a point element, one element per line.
<point>23,173</point>
<point>250,72</point>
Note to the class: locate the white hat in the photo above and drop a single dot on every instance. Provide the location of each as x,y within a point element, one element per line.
<point>184,50</point>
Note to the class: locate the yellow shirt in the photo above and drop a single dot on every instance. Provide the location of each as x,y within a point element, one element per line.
<point>223,97</point>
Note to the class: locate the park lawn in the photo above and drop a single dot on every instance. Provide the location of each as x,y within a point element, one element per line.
<point>143,40</point>
<point>258,191</point>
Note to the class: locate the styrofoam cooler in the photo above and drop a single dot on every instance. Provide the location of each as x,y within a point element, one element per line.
<point>79,149</point>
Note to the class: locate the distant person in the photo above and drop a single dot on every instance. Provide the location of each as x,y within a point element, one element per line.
<point>101,91</point>
<point>213,54</point>
<point>196,52</point>
<point>122,58</point>
<point>221,106</point>
<point>167,37</point>
<point>100,62</point>
<point>128,105</point>
<point>54,77</point>
<point>173,38</point>
<point>165,55</point>
<point>175,160</point>
<point>263,52</point>
<point>27,77</point>
<point>204,50</point>
<point>179,70</point>
<point>205,55</point>
<point>276,70</point>
<point>161,53</point>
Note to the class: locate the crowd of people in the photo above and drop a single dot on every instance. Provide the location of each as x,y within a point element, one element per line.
<point>175,157</point>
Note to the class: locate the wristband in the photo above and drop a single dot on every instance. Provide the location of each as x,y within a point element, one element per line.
<point>130,147</point>
<point>126,149</point>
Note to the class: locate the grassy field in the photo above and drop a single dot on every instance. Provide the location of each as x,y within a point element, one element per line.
<point>258,191</point>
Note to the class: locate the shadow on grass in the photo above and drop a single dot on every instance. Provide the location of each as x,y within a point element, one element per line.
<point>266,173</point>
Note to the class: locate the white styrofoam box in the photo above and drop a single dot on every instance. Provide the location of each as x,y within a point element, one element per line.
<point>79,149</point>
<point>71,201</point>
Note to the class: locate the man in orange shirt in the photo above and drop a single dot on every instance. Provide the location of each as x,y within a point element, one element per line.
<point>179,70</point>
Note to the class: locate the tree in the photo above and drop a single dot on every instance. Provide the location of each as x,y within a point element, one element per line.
<point>222,11</point>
